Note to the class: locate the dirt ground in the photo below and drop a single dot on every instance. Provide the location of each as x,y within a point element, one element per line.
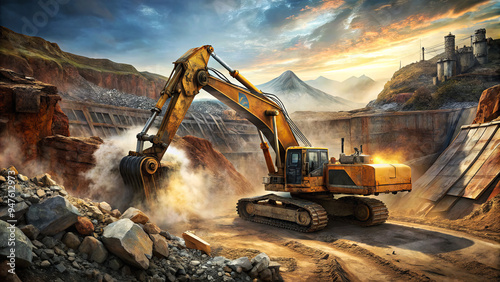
<point>394,251</point>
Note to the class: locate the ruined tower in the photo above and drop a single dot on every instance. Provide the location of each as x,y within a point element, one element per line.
<point>440,72</point>
<point>449,62</point>
<point>449,46</point>
<point>480,46</point>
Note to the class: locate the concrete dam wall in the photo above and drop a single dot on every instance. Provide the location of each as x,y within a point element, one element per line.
<point>395,136</point>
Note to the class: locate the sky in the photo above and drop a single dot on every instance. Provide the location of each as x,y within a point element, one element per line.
<point>336,39</point>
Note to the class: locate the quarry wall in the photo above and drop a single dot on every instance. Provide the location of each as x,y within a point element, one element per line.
<point>410,135</point>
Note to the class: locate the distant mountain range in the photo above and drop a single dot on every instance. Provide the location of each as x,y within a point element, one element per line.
<point>300,96</point>
<point>361,88</point>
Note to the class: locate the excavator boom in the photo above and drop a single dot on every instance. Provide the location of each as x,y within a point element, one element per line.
<point>190,74</point>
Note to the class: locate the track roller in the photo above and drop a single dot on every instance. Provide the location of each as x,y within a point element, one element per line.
<point>366,211</point>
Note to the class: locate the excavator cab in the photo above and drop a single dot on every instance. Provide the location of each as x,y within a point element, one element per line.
<point>304,164</point>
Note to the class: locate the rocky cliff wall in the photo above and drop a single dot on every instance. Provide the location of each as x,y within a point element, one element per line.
<point>34,131</point>
<point>489,105</point>
<point>29,112</point>
<point>45,61</point>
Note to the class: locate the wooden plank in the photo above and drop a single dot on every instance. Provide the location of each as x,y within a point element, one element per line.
<point>194,242</point>
<point>489,144</point>
<point>485,176</point>
<point>444,204</point>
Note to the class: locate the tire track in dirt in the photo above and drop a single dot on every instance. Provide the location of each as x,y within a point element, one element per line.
<point>327,268</point>
<point>341,252</point>
<point>474,267</point>
<point>396,271</point>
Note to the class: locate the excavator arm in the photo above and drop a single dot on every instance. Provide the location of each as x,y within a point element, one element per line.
<point>190,74</point>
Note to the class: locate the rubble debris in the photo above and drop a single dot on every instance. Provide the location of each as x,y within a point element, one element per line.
<point>116,250</point>
<point>135,215</point>
<point>105,207</point>
<point>52,215</point>
<point>84,226</point>
<point>94,249</point>
<point>151,228</point>
<point>195,242</point>
<point>44,180</point>
<point>30,231</point>
<point>160,245</point>
<point>12,169</point>
<point>243,263</point>
<point>19,210</point>
<point>71,240</point>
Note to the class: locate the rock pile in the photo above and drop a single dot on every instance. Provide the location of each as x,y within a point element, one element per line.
<point>62,238</point>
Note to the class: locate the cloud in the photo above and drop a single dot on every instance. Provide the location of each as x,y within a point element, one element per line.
<point>148,11</point>
<point>259,37</point>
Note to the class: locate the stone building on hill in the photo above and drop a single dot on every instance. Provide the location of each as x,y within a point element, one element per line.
<point>459,60</point>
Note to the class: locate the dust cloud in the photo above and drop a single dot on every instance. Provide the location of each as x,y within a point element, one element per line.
<point>106,183</point>
<point>10,152</point>
<point>186,193</point>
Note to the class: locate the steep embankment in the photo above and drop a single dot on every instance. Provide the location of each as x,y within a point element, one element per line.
<point>36,57</point>
<point>411,87</point>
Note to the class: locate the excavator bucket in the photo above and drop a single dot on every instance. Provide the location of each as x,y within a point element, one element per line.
<point>142,174</point>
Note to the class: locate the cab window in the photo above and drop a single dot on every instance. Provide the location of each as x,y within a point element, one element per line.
<point>313,160</point>
<point>295,158</point>
<point>324,157</point>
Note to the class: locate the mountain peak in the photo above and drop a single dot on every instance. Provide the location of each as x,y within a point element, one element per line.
<point>362,79</point>
<point>288,74</point>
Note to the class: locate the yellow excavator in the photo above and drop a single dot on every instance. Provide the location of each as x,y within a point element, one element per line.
<point>306,172</point>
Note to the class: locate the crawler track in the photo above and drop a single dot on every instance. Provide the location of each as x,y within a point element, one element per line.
<point>317,212</point>
<point>378,211</point>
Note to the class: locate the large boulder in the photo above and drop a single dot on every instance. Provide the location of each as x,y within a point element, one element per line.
<point>52,215</point>
<point>489,105</point>
<point>128,241</point>
<point>12,237</point>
